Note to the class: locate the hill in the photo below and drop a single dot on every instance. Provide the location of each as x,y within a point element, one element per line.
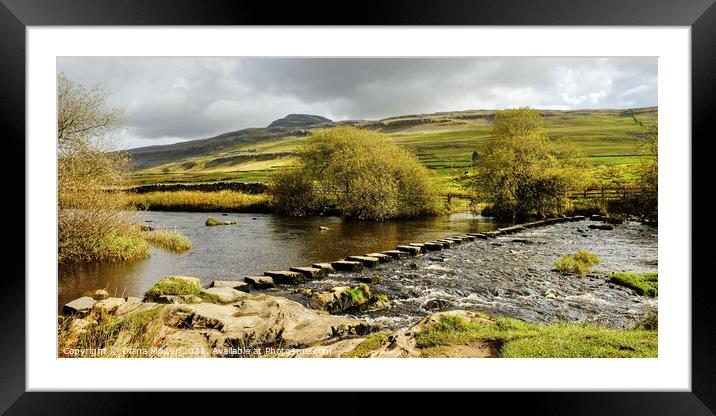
<point>299,120</point>
<point>442,141</point>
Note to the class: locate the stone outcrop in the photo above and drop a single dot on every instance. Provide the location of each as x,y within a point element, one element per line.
<point>79,306</point>
<point>234,284</point>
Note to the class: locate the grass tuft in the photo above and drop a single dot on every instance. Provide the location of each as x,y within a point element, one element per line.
<point>577,263</point>
<point>646,284</point>
<point>168,240</point>
<point>371,343</point>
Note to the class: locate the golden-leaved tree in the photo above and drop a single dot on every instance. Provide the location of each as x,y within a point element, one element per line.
<point>359,173</point>
<point>92,224</point>
<point>522,172</point>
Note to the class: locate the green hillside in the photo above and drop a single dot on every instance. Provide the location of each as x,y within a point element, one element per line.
<point>442,141</point>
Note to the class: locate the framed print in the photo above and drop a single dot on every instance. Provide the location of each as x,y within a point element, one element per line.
<point>243,204</point>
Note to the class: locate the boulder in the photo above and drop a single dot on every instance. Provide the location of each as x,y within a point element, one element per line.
<point>234,284</point>
<point>341,299</point>
<point>100,294</point>
<point>79,306</point>
<point>372,279</point>
<point>365,260</point>
<point>260,282</point>
<point>310,272</point>
<point>108,306</point>
<point>171,289</point>
<point>256,323</point>
<point>286,277</point>
<point>349,266</point>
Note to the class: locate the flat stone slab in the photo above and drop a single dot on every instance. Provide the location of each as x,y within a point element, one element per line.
<point>226,294</point>
<point>260,282</point>
<point>470,237</point>
<point>367,261</point>
<point>493,234</point>
<point>286,277</point>
<point>579,217</point>
<point>326,267</point>
<point>383,258</point>
<point>347,265</point>
<point>410,249</point>
<point>396,254</point>
<point>234,284</point>
<point>447,243</point>
<point>80,305</point>
<point>455,240</point>
<point>310,272</point>
<point>481,236</point>
<point>420,245</point>
<point>433,246</point>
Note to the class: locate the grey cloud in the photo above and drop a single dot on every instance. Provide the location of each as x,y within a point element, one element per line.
<point>173,99</point>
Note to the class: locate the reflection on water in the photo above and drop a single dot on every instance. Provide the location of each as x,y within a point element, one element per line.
<point>257,243</point>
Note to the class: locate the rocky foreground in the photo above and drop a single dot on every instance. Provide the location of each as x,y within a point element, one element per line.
<point>229,323</point>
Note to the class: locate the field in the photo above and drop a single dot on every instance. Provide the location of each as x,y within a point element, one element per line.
<point>444,142</point>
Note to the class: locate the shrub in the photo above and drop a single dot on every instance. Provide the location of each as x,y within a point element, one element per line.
<point>577,263</point>
<point>361,174</point>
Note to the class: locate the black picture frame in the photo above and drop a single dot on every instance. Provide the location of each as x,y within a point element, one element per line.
<point>699,15</point>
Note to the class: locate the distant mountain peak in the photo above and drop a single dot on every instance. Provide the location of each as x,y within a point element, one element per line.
<point>299,120</point>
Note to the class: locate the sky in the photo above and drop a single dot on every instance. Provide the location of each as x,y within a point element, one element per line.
<point>168,100</point>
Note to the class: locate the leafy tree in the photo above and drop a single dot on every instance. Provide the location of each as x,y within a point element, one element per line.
<point>361,174</point>
<point>522,172</point>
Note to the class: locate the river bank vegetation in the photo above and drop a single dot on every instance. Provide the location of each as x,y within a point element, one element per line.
<point>511,338</point>
<point>93,222</point>
<point>199,201</point>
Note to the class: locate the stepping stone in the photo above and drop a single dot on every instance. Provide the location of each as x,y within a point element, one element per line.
<point>347,266</point>
<point>81,305</point>
<point>326,267</point>
<point>470,237</point>
<point>579,217</point>
<point>383,258</point>
<point>420,245</point>
<point>481,236</point>
<point>410,249</point>
<point>372,279</point>
<point>234,284</point>
<point>367,261</point>
<point>455,240</point>
<point>260,282</point>
<point>447,243</point>
<point>396,254</point>
<point>286,277</point>
<point>433,246</point>
<point>310,272</point>
<point>493,234</point>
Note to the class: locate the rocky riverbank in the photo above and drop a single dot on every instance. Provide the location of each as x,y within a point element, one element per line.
<point>319,311</point>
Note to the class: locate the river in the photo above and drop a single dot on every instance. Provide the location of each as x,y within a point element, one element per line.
<point>258,242</point>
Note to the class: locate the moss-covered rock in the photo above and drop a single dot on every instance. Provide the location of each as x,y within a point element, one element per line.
<point>175,289</point>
